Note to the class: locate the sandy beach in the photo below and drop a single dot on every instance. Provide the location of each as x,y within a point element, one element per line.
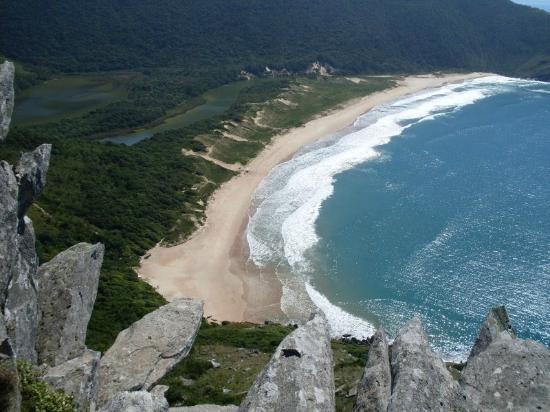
<point>212,265</point>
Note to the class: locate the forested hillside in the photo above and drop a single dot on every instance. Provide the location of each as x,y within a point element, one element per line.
<point>352,35</point>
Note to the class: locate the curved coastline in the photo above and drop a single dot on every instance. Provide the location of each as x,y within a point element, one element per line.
<point>213,264</point>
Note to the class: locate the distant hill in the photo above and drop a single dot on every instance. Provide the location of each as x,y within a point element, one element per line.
<point>351,35</point>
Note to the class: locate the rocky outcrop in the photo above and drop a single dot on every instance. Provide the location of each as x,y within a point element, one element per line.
<point>8,227</point>
<point>77,377</point>
<point>496,325</point>
<point>19,187</point>
<point>67,287</point>
<point>31,172</point>
<point>48,308</point>
<point>10,393</point>
<point>138,401</point>
<point>504,372</point>
<point>21,306</point>
<point>299,376</point>
<point>420,379</point>
<point>374,389</point>
<point>149,348</point>
<point>7,97</point>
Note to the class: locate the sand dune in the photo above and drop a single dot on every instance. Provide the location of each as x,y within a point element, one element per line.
<point>212,265</point>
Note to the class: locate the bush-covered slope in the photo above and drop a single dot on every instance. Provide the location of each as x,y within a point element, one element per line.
<point>353,35</point>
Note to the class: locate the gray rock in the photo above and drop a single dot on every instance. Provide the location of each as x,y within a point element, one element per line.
<point>205,408</point>
<point>299,376</point>
<point>420,380</point>
<point>374,389</point>
<point>19,187</point>
<point>8,226</point>
<point>139,401</point>
<point>149,348</point>
<point>504,372</point>
<point>7,97</point>
<point>159,390</point>
<point>10,391</point>
<point>21,308</point>
<point>77,377</point>
<point>67,287</point>
<point>496,323</point>
<point>31,174</point>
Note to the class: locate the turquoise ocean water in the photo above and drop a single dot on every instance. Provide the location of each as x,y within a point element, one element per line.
<point>437,204</point>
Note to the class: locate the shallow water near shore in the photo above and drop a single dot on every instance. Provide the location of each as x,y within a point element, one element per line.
<point>436,204</point>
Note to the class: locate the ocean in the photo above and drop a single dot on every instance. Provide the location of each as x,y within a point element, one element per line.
<point>437,204</point>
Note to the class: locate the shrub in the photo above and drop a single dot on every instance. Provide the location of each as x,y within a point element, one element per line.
<point>37,395</point>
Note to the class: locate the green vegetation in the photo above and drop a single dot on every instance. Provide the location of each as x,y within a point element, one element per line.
<point>350,358</point>
<point>242,350</point>
<point>130,198</point>
<point>67,96</point>
<point>37,395</point>
<point>358,36</point>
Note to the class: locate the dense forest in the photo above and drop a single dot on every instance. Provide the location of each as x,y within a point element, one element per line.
<point>351,35</point>
<point>132,197</point>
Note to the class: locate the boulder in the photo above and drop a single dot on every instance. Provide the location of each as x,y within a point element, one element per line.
<point>496,324</point>
<point>7,97</point>
<point>504,372</point>
<point>8,226</point>
<point>138,401</point>
<point>420,380</point>
<point>77,377</point>
<point>21,308</point>
<point>10,387</point>
<point>67,287</point>
<point>299,376</point>
<point>149,348</point>
<point>19,187</point>
<point>374,389</point>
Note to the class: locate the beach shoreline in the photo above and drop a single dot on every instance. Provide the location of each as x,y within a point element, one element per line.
<point>213,264</point>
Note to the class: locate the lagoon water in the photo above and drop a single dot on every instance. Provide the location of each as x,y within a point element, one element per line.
<point>437,205</point>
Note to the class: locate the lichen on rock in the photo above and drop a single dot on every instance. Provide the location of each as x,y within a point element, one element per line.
<point>149,348</point>
<point>299,376</point>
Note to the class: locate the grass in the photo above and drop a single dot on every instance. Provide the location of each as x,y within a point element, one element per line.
<point>242,350</point>
<point>349,361</point>
<point>296,101</point>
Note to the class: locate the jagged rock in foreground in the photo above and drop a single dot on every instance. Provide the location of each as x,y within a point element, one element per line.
<point>8,226</point>
<point>504,372</point>
<point>497,324</point>
<point>67,287</point>
<point>21,307</point>
<point>139,401</point>
<point>7,97</point>
<point>10,394</point>
<point>374,389</point>
<point>149,348</point>
<point>77,377</point>
<point>420,379</point>
<point>205,408</point>
<point>19,187</point>
<point>299,376</point>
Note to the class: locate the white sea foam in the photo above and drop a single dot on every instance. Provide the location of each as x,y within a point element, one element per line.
<point>341,322</point>
<point>288,201</point>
